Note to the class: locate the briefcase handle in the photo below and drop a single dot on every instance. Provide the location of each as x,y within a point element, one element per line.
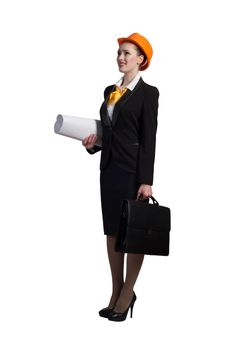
<point>153,199</point>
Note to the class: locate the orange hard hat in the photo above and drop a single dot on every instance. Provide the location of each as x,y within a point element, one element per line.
<point>143,44</point>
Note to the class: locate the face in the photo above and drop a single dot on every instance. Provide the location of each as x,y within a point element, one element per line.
<point>127,57</point>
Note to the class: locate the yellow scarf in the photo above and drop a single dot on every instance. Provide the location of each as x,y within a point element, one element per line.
<point>115,95</point>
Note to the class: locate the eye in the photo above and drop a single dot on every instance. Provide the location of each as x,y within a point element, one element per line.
<point>126,53</point>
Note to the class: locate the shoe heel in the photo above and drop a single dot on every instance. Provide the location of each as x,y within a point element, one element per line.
<point>131,311</point>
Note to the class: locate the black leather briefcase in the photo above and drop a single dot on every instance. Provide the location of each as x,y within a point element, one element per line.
<point>144,228</point>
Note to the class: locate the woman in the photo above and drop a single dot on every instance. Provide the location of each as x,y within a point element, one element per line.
<point>129,124</point>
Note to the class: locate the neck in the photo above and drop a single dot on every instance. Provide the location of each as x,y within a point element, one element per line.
<point>129,76</point>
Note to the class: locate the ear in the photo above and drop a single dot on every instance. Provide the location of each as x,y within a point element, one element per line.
<point>140,59</point>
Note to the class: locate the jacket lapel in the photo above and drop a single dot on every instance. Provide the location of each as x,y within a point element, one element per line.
<point>119,104</point>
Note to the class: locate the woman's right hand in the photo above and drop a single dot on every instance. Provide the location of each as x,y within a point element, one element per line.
<point>89,141</point>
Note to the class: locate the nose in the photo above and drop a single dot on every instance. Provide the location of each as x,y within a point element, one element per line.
<point>121,57</point>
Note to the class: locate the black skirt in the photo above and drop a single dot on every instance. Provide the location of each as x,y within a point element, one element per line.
<point>116,184</point>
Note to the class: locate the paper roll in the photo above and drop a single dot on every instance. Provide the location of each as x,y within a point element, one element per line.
<point>78,128</point>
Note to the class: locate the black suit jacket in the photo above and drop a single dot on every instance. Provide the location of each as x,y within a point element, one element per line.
<point>131,134</point>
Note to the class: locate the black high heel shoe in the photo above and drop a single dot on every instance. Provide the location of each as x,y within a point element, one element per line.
<point>121,316</point>
<point>105,312</point>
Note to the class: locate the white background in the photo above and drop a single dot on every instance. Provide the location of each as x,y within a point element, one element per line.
<point>58,57</point>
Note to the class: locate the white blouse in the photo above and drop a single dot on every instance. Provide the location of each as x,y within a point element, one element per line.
<point>130,86</point>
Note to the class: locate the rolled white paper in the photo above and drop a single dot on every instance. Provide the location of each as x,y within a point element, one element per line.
<point>78,128</point>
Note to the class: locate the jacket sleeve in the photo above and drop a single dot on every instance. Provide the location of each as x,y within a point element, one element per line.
<point>148,129</point>
<point>96,148</point>
<point>93,149</point>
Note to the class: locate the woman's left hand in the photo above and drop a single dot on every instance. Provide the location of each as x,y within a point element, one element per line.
<point>144,191</point>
